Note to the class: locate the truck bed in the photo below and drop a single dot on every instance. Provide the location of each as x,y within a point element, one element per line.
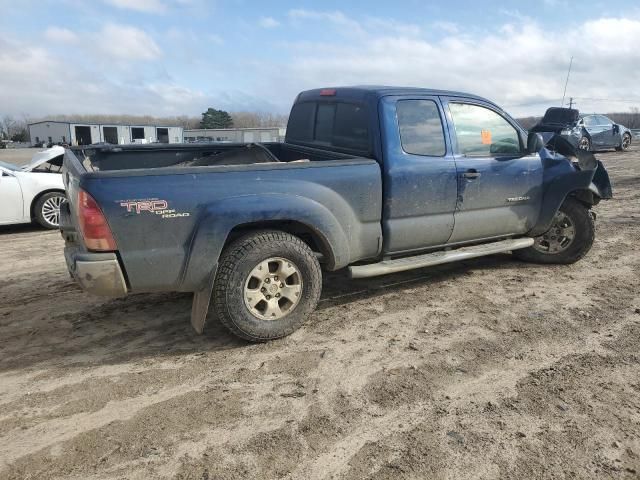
<point>130,157</point>
<point>209,191</point>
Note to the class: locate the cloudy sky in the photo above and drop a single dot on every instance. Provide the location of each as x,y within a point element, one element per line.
<point>173,57</point>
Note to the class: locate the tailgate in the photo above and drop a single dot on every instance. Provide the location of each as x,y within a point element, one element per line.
<point>72,170</point>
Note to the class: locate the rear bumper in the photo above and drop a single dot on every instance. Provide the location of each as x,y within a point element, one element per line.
<point>97,273</point>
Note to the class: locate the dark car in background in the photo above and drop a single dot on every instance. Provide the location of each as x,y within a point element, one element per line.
<point>589,132</point>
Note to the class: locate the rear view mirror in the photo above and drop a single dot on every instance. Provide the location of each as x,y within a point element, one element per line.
<point>535,143</point>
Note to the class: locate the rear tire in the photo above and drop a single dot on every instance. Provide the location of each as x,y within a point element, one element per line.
<point>568,240</point>
<point>267,285</point>
<point>47,209</point>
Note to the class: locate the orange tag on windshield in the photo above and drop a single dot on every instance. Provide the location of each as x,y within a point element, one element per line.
<point>486,137</point>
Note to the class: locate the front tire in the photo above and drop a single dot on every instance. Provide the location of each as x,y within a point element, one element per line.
<point>568,240</point>
<point>584,144</point>
<point>267,285</point>
<point>625,144</point>
<point>47,209</point>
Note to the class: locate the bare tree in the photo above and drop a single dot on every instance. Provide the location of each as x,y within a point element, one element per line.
<point>258,119</point>
<point>7,126</point>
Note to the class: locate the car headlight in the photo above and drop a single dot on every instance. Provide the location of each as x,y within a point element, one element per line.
<point>571,131</point>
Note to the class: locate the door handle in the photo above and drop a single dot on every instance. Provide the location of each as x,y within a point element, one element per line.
<point>471,173</point>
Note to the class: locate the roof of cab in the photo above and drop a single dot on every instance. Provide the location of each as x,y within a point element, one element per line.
<point>360,92</point>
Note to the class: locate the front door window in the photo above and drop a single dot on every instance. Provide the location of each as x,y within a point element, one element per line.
<point>482,132</point>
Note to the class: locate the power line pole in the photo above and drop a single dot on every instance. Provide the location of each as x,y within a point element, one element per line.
<point>570,102</point>
<point>567,81</point>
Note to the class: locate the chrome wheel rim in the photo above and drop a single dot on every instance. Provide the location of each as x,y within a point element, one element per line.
<point>51,210</point>
<point>584,144</point>
<point>559,237</point>
<point>626,141</point>
<point>273,288</point>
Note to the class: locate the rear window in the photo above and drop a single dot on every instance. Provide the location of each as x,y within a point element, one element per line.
<point>301,120</point>
<point>340,125</point>
<point>420,126</point>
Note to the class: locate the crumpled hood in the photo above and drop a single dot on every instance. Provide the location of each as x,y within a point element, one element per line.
<point>42,157</point>
<point>557,116</point>
<point>555,119</point>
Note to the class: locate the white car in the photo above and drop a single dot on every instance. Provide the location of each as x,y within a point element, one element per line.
<point>33,192</point>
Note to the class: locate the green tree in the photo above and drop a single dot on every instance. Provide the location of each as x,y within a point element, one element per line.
<point>213,118</point>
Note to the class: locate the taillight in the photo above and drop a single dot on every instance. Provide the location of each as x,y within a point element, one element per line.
<point>95,229</point>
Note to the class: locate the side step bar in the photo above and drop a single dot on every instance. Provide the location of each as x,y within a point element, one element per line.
<point>436,258</point>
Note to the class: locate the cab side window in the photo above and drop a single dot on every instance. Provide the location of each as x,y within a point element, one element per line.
<point>420,125</point>
<point>590,121</point>
<point>482,132</point>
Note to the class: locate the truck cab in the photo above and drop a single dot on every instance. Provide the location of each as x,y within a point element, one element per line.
<point>454,166</point>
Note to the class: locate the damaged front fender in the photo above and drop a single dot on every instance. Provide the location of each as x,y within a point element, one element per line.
<point>568,170</point>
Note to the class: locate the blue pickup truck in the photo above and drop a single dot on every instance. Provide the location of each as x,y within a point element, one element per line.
<point>373,179</point>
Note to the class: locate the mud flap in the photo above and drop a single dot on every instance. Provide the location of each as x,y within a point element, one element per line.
<point>200,306</point>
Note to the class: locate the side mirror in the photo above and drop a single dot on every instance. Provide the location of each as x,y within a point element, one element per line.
<point>535,143</point>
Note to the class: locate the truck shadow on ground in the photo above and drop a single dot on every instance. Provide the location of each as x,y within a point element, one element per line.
<point>151,325</point>
<point>339,289</point>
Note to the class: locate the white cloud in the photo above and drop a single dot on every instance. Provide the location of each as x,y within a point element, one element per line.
<point>125,43</point>
<point>60,35</point>
<point>147,6</point>
<point>518,64</point>
<point>612,36</point>
<point>447,27</point>
<point>35,82</point>
<point>159,7</point>
<point>334,17</point>
<point>268,22</point>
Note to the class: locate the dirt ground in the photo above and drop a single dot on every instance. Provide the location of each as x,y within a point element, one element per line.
<point>18,156</point>
<point>485,369</point>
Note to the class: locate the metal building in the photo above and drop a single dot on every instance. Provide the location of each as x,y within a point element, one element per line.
<point>239,135</point>
<point>79,133</point>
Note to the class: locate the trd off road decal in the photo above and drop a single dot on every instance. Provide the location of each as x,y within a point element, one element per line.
<point>153,205</point>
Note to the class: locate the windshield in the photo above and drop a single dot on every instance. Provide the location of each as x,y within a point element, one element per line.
<point>9,166</point>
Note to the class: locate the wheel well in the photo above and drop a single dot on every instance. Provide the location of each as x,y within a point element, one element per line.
<point>37,197</point>
<point>315,240</point>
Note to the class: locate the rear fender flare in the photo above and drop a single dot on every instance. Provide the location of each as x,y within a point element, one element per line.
<point>220,218</point>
